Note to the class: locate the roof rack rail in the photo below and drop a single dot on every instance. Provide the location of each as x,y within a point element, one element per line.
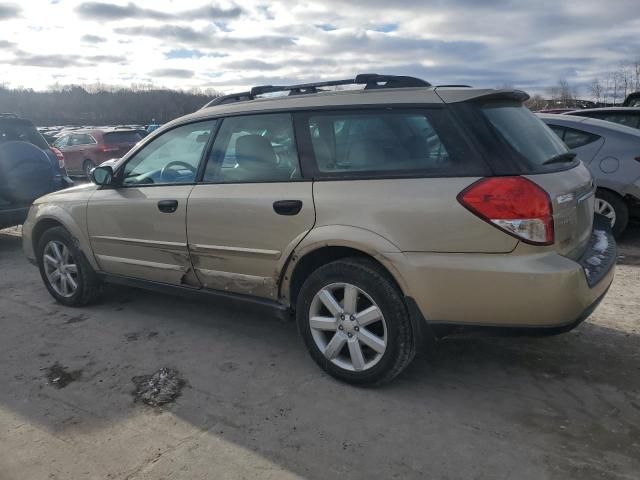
<point>8,115</point>
<point>233,98</point>
<point>369,80</point>
<point>453,85</point>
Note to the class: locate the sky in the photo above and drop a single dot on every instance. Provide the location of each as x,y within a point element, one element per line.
<point>230,46</point>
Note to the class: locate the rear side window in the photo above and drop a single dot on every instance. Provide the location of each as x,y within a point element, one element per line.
<point>254,148</point>
<point>131,137</point>
<point>21,131</point>
<point>388,142</point>
<point>531,140</point>
<point>578,138</point>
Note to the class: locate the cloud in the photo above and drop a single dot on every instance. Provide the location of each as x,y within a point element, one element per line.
<point>105,59</point>
<point>27,59</point>
<point>205,38</point>
<point>9,11</point>
<point>109,12</point>
<point>46,61</point>
<point>172,73</point>
<point>233,44</point>
<point>88,38</point>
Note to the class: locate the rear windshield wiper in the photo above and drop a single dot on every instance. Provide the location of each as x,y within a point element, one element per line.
<point>560,158</point>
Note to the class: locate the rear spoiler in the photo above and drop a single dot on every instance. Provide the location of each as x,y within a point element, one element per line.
<point>455,95</point>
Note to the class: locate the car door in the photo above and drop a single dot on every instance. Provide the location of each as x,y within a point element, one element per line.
<point>70,153</point>
<point>251,208</point>
<point>138,228</point>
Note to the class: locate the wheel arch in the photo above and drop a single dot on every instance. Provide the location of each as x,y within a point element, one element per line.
<point>53,216</point>
<point>330,243</point>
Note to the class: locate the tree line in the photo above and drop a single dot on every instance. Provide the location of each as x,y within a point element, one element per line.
<point>609,89</point>
<point>102,105</point>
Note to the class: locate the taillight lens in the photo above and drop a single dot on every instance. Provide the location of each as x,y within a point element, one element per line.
<point>513,204</point>
<point>58,155</point>
<point>107,149</point>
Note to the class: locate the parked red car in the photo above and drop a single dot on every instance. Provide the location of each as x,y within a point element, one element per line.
<point>88,148</point>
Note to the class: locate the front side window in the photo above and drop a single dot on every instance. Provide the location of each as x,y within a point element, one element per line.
<point>172,157</point>
<point>62,141</point>
<point>82,139</point>
<point>383,142</point>
<point>254,148</point>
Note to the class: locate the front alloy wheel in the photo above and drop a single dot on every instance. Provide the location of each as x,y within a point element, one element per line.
<point>348,327</point>
<point>65,271</point>
<point>60,269</point>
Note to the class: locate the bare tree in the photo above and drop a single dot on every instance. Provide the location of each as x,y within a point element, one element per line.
<point>596,90</point>
<point>536,102</point>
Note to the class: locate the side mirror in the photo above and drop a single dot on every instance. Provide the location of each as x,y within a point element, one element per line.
<point>102,175</point>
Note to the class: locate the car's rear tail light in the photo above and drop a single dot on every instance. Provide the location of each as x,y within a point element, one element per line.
<point>513,204</point>
<point>107,148</point>
<point>58,155</point>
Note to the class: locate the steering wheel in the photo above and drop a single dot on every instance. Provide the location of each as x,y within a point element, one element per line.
<point>167,174</point>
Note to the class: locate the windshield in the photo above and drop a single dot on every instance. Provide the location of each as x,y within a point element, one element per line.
<point>525,133</point>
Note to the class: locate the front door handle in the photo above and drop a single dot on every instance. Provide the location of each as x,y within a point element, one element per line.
<point>168,206</point>
<point>287,207</point>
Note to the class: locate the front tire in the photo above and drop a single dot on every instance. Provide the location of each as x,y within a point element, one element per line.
<point>615,209</point>
<point>65,271</point>
<point>354,322</point>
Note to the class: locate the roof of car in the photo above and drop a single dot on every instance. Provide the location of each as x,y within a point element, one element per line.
<point>356,98</point>
<point>633,110</point>
<point>594,123</point>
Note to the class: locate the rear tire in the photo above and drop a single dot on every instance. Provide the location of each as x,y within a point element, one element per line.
<point>613,207</point>
<point>65,271</point>
<point>374,342</point>
<point>87,166</point>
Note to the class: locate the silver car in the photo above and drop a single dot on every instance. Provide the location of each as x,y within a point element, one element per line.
<point>612,153</point>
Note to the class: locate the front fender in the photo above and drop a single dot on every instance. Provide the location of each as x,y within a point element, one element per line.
<point>73,217</point>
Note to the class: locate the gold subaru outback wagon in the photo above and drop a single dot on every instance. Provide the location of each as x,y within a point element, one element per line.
<point>380,216</point>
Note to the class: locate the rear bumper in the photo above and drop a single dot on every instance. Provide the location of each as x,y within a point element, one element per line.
<point>539,291</point>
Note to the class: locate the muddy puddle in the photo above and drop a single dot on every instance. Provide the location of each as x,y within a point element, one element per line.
<point>159,388</point>
<point>59,376</point>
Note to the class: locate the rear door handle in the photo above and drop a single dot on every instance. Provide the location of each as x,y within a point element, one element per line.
<point>287,207</point>
<point>168,206</point>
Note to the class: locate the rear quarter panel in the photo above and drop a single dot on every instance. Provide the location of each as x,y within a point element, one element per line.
<point>413,214</point>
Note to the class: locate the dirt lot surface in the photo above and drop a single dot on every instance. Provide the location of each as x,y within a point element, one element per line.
<point>251,404</point>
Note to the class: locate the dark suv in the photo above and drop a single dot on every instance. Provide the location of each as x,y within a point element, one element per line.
<point>29,168</point>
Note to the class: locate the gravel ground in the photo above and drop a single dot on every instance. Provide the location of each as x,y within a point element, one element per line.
<point>249,403</point>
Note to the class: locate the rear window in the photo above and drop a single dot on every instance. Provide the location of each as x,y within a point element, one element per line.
<point>22,131</point>
<point>528,137</point>
<point>129,136</point>
<point>389,142</point>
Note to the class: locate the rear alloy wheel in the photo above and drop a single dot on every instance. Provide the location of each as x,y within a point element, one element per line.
<point>614,208</point>
<point>87,166</point>
<point>354,321</point>
<point>64,270</point>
